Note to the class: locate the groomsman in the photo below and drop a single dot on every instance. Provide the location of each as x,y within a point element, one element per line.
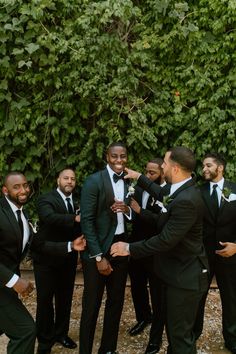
<point>55,275</point>
<point>141,270</point>
<point>103,217</point>
<point>219,235</point>
<point>179,257</point>
<point>15,320</point>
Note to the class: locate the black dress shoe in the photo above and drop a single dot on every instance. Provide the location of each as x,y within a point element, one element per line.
<point>67,342</point>
<point>138,328</point>
<point>152,348</point>
<point>231,348</point>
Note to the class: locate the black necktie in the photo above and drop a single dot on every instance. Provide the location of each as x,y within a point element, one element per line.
<point>117,177</point>
<point>20,222</point>
<point>214,200</point>
<point>69,206</point>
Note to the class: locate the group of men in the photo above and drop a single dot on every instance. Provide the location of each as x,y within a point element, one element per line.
<point>172,218</point>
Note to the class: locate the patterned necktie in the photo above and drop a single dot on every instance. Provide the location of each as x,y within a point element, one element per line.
<point>117,177</point>
<point>20,222</point>
<point>214,200</point>
<point>69,206</point>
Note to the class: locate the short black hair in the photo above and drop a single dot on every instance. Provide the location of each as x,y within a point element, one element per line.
<point>218,158</point>
<point>184,157</point>
<point>64,169</point>
<point>12,173</point>
<point>117,143</point>
<point>156,160</point>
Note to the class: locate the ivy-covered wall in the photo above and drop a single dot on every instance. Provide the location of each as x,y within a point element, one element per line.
<point>76,75</point>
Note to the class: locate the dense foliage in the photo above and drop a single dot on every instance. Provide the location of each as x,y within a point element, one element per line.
<point>79,74</point>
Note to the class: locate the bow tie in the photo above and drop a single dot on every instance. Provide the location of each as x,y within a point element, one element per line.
<point>117,177</point>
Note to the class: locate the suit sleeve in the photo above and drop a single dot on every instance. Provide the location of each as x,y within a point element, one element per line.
<point>48,214</point>
<point>89,205</point>
<point>5,275</point>
<point>181,219</point>
<point>151,187</point>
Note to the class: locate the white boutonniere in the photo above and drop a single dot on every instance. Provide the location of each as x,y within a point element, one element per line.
<point>227,195</point>
<point>166,200</point>
<point>34,226</point>
<point>131,190</point>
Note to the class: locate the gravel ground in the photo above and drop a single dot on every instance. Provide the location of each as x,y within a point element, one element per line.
<point>210,342</point>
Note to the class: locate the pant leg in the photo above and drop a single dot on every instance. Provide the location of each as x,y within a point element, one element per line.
<point>139,289</point>
<point>115,287</point>
<point>182,305</point>
<point>226,280</point>
<point>45,281</point>
<point>63,297</point>
<point>19,326</point>
<point>94,284</point>
<point>158,309</point>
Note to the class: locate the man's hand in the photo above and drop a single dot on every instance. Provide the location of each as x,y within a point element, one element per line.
<point>23,287</point>
<point>135,206</point>
<point>104,267</point>
<point>131,174</point>
<point>79,243</point>
<point>228,250</point>
<point>120,207</point>
<point>119,249</point>
<point>77,218</point>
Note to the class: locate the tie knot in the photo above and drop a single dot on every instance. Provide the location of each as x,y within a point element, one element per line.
<point>117,177</point>
<point>18,212</point>
<point>215,186</point>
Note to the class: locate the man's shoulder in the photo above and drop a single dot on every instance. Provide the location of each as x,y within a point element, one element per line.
<point>96,176</point>
<point>50,195</point>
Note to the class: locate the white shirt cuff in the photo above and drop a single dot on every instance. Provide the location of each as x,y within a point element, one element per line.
<point>12,281</point>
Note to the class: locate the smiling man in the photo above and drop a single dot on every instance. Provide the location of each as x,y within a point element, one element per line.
<point>179,257</point>
<point>103,223</point>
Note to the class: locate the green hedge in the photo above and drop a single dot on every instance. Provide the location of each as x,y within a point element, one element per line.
<point>78,74</point>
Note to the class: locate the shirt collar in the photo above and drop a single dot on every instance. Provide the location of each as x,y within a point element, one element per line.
<point>13,206</point>
<point>219,183</point>
<point>63,195</point>
<point>176,186</point>
<point>111,172</point>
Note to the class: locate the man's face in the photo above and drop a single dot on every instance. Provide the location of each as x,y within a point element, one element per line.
<point>66,182</point>
<point>17,189</point>
<point>210,170</point>
<point>117,158</point>
<point>153,171</point>
<point>167,167</point>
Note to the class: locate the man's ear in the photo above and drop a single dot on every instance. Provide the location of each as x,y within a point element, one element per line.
<point>4,190</point>
<point>221,168</point>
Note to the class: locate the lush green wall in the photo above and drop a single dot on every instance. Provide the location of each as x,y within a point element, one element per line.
<point>79,74</point>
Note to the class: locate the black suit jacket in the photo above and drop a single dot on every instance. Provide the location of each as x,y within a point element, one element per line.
<point>98,222</point>
<point>56,227</point>
<point>223,228</point>
<point>10,250</point>
<point>178,249</point>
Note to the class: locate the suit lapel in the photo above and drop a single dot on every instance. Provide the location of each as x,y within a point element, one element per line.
<point>107,187</point>
<point>13,222</point>
<point>60,201</point>
<point>223,202</point>
<point>187,184</point>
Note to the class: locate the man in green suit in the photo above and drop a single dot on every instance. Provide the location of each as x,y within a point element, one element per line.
<point>103,223</point>
<point>179,257</point>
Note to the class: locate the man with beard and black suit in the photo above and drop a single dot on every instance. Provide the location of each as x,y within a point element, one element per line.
<point>55,275</point>
<point>15,320</point>
<point>141,270</point>
<point>219,236</point>
<point>103,210</point>
<point>179,256</point>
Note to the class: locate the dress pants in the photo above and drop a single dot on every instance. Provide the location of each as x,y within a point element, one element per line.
<point>55,285</point>
<point>226,280</point>
<point>181,311</point>
<point>94,286</point>
<point>19,326</point>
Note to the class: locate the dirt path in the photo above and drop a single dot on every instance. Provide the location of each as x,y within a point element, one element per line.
<point>210,342</point>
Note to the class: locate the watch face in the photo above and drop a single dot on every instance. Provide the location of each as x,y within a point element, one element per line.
<point>98,258</point>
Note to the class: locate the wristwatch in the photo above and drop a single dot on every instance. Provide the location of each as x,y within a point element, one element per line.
<point>98,258</point>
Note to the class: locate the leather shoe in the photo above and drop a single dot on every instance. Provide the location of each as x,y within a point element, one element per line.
<point>67,342</point>
<point>231,348</point>
<point>152,348</point>
<point>138,328</point>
